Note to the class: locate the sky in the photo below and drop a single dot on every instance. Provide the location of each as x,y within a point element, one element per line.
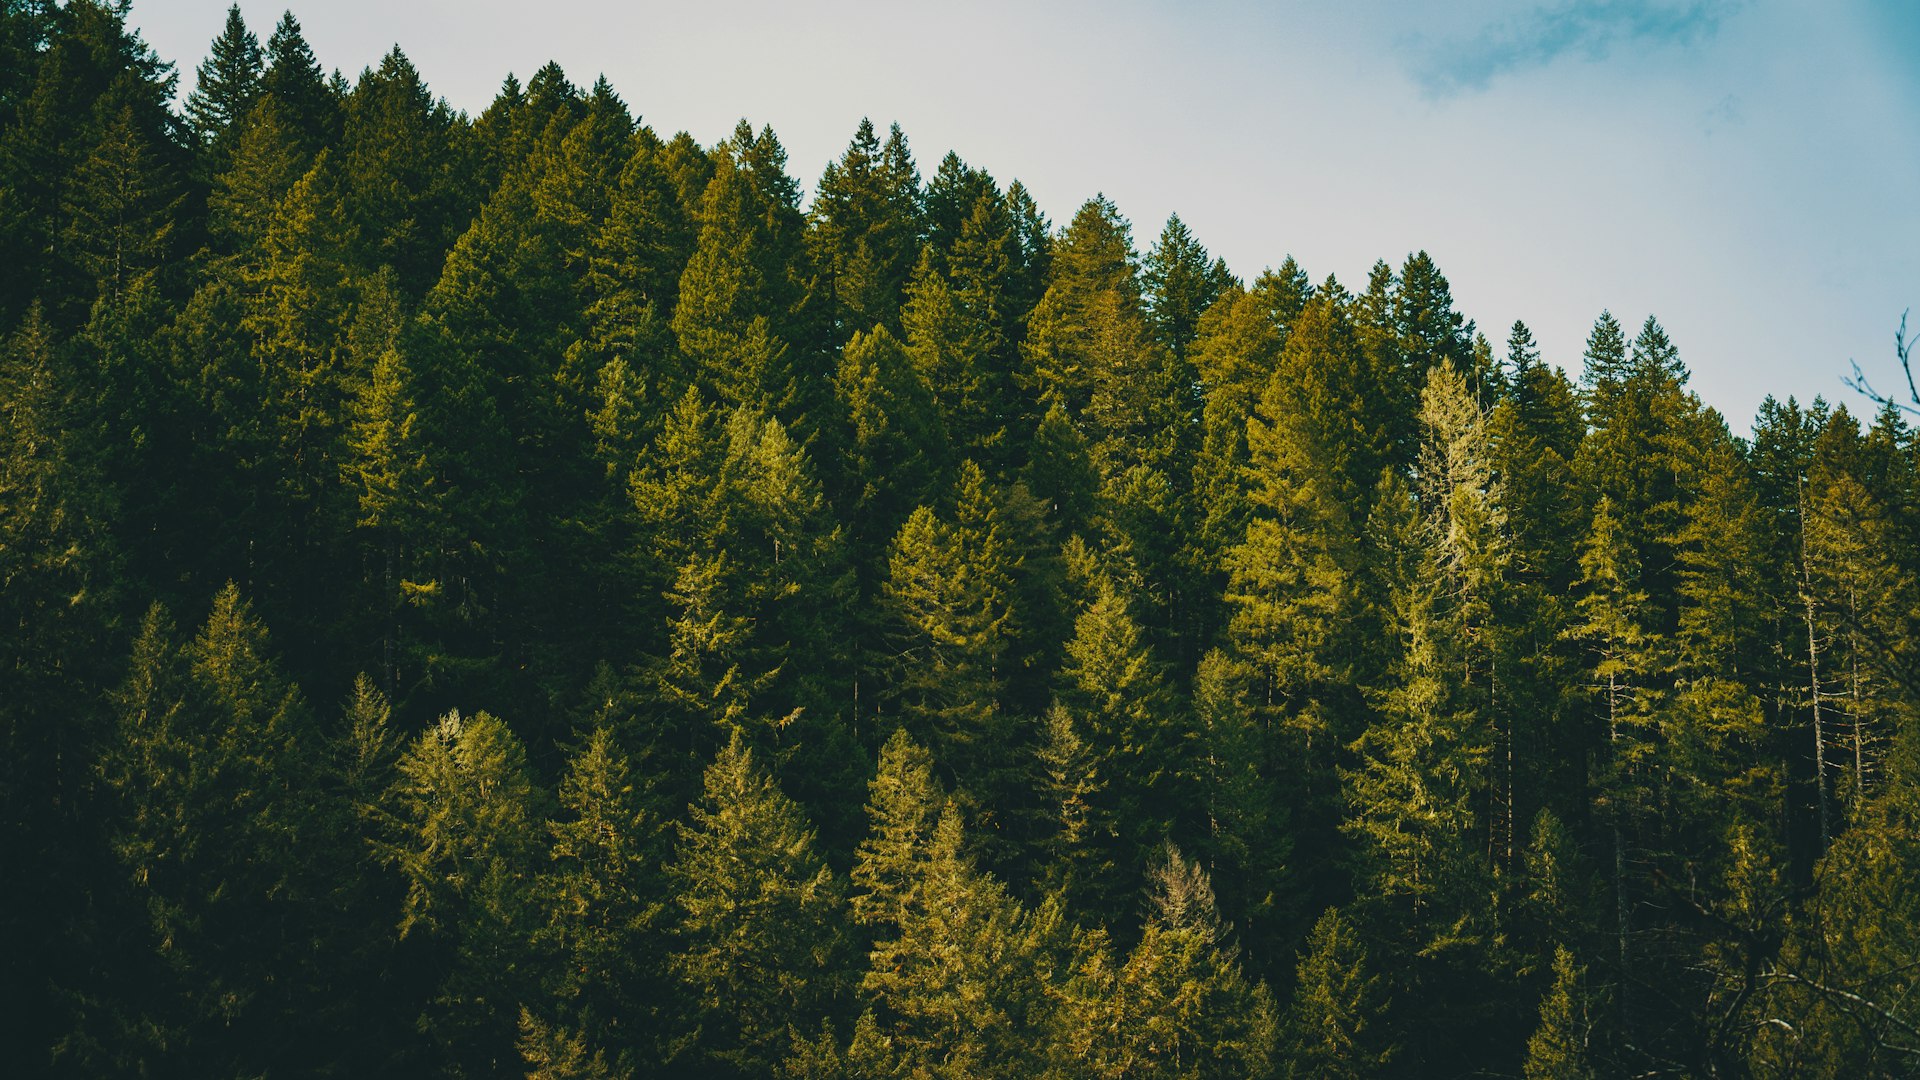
<point>1746,171</point>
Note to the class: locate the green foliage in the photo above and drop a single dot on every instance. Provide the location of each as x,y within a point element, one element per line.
<point>466,838</point>
<point>758,914</point>
<point>1335,1027</point>
<point>1589,723</point>
<point>956,993</point>
<point>1557,1050</point>
<point>950,594</point>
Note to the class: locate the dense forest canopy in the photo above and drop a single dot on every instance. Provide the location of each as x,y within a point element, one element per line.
<point>524,594</point>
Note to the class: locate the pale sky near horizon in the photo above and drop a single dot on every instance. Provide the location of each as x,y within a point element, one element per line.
<point>1744,170</point>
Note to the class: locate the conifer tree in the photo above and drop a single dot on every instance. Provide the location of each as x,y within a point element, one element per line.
<point>226,85</point>
<point>119,210</point>
<point>756,931</point>
<point>602,919</point>
<point>903,803</point>
<point>1336,1026</point>
<point>1181,283</point>
<point>1114,697</point>
<point>1291,586</point>
<point>1557,1049</point>
<point>950,594</point>
<point>741,545</point>
<point>466,839</point>
<point>744,319</point>
<point>217,819</point>
<point>958,991</point>
<point>294,79</point>
<point>865,232</point>
<point>896,446</point>
<point>1611,623</point>
<point>400,194</point>
<point>958,343</point>
<point>1233,353</point>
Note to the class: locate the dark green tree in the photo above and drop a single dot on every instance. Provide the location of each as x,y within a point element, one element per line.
<point>756,931</point>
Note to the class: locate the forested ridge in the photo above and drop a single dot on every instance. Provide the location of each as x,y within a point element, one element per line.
<point>520,594</point>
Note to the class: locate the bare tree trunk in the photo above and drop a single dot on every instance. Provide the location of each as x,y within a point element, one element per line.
<point>1813,675</point>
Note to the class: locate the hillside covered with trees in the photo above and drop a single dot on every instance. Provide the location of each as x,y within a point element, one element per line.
<point>525,594</point>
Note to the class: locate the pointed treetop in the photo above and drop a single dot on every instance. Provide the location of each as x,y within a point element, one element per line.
<point>226,83</point>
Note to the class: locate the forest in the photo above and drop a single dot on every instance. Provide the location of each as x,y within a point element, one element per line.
<point>523,595</point>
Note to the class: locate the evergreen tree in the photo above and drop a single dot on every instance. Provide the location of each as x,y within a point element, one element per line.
<point>1611,623</point>
<point>293,78</point>
<point>903,804</point>
<point>896,445</point>
<point>1179,1006</point>
<point>950,594</point>
<point>119,210</point>
<point>1112,695</point>
<point>400,192</point>
<point>1335,1027</point>
<point>744,319</point>
<point>1558,1048</point>
<point>756,933</point>
<point>225,86</point>
<point>214,770</point>
<point>466,839</point>
<point>602,923</point>
<point>865,230</point>
<point>957,992</point>
<point>1181,283</point>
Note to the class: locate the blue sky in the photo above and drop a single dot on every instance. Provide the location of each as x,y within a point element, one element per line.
<point>1746,171</point>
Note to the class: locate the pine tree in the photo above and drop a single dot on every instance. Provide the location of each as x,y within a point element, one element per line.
<point>63,581</point>
<point>466,839</point>
<point>400,193</point>
<point>1558,1048</point>
<point>1611,617</point>
<point>1184,1001</point>
<point>1240,812</point>
<point>957,343</point>
<point>294,80</point>
<point>738,537</point>
<point>1181,283</point>
<point>226,85</point>
<point>903,803</point>
<point>865,232</point>
<point>215,772</point>
<point>756,933</point>
<point>896,447</point>
<point>602,920</point>
<point>744,319</point>
<point>1075,826</point>
<point>1291,589</point>
<point>956,992</point>
<point>1115,698</point>
<point>950,594</point>
<point>119,210</point>
<point>1336,1026</point>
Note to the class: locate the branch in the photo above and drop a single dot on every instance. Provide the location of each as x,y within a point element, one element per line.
<point>1902,351</point>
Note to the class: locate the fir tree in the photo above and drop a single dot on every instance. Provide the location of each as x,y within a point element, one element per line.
<point>756,932</point>
<point>225,85</point>
<point>294,79</point>
<point>1557,1049</point>
<point>602,919</point>
<point>950,594</point>
<point>955,992</point>
<point>903,802</point>
<point>865,230</point>
<point>1335,1027</point>
<point>1181,283</point>
<point>466,838</point>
